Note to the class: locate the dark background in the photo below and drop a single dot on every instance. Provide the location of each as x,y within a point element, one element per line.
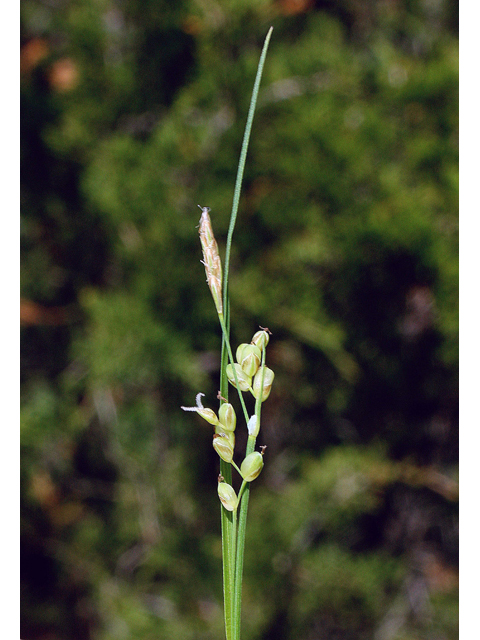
<point>346,248</point>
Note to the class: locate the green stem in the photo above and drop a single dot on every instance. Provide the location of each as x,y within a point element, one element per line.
<point>233,542</point>
<point>228,557</point>
<point>242,525</point>
<point>242,489</point>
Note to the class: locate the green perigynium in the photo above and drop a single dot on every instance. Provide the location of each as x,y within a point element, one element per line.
<point>238,352</point>
<point>244,380</point>
<point>262,383</point>
<point>227,417</point>
<point>229,435</point>
<point>261,339</point>
<point>223,447</point>
<point>250,359</point>
<point>227,496</point>
<point>252,466</point>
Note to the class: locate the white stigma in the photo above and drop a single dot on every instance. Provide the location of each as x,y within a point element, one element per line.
<point>198,403</point>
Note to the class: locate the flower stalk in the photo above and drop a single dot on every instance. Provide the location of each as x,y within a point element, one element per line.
<point>247,373</point>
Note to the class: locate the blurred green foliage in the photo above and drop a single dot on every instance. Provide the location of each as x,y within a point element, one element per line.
<point>346,248</point>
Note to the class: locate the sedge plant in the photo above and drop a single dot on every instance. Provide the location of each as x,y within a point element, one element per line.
<point>248,373</point>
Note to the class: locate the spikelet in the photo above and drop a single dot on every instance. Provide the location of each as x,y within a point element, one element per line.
<point>211,258</point>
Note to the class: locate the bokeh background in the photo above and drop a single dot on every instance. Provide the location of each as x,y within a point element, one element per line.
<point>133,113</point>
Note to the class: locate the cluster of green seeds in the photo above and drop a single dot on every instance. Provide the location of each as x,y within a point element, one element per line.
<point>249,375</point>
